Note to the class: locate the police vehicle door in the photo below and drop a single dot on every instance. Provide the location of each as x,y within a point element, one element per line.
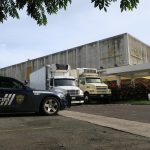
<point>14,96</point>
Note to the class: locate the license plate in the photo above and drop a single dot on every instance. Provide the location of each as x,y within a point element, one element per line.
<point>73,97</point>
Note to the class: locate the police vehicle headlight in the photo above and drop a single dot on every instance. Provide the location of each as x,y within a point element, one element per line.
<point>58,91</point>
<point>61,95</point>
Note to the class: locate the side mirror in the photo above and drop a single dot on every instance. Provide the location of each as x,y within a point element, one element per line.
<point>26,82</point>
<point>77,82</point>
<point>50,87</point>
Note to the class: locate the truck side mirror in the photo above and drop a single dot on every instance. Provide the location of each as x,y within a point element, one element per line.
<point>83,82</point>
<point>77,82</point>
<point>51,82</point>
<point>50,87</point>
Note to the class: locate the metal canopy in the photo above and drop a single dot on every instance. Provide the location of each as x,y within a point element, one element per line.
<point>139,70</point>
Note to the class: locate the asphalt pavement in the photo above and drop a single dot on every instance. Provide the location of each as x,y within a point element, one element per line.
<point>33,132</point>
<point>134,127</point>
<point>140,113</point>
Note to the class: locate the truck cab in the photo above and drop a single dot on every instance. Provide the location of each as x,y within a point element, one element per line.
<point>60,79</point>
<point>56,77</point>
<point>91,84</point>
<point>69,86</point>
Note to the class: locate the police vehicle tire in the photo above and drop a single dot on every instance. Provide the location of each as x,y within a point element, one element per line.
<point>50,106</point>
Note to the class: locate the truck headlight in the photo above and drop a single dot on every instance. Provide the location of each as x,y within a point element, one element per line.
<point>81,92</point>
<point>109,90</point>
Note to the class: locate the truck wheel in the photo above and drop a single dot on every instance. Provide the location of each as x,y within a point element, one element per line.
<point>50,106</point>
<point>86,98</point>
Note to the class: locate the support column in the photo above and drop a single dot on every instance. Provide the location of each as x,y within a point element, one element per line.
<point>118,80</point>
<point>133,81</point>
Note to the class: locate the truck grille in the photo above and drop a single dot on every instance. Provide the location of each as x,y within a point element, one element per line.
<point>101,89</point>
<point>73,92</point>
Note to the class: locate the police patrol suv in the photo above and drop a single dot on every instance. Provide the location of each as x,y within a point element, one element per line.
<point>17,97</point>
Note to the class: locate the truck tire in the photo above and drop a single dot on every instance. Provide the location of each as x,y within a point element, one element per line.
<point>86,98</point>
<point>50,106</point>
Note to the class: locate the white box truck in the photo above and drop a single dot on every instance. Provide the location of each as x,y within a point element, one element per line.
<point>56,77</point>
<point>91,84</point>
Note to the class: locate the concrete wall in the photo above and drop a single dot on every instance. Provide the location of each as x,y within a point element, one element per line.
<point>105,53</point>
<point>114,52</point>
<point>139,52</point>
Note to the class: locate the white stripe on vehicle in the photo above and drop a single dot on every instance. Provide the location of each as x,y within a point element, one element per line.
<point>7,99</point>
<point>2,101</point>
<point>6,95</point>
<point>12,98</point>
<point>41,92</point>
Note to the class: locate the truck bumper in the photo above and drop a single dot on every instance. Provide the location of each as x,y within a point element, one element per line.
<point>77,99</point>
<point>100,96</point>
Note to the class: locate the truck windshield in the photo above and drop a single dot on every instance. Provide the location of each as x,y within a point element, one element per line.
<point>93,80</point>
<point>64,82</point>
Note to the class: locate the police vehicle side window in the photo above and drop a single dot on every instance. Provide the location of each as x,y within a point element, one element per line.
<point>17,85</point>
<point>10,84</point>
<point>4,84</point>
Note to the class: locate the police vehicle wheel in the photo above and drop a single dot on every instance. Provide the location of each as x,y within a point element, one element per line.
<point>86,98</point>
<point>50,106</point>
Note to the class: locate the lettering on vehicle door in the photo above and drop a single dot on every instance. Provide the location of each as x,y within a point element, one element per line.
<point>7,99</point>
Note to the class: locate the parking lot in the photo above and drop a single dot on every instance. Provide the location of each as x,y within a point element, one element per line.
<point>140,113</point>
<point>34,132</point>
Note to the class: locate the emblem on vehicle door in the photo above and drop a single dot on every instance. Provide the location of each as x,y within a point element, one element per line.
<point>19,99</point>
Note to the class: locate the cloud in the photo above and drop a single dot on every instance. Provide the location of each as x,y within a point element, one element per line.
<point>81,23</point>
<point>13,56</point>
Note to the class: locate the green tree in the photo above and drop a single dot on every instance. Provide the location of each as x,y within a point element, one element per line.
<point>37,8</point>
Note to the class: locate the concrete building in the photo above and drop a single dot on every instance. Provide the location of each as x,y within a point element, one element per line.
<point>117,51</point>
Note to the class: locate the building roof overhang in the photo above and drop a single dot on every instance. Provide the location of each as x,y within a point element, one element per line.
<point>138,70</point>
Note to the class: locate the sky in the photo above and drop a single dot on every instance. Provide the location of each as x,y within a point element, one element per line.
<point>80,24</point>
